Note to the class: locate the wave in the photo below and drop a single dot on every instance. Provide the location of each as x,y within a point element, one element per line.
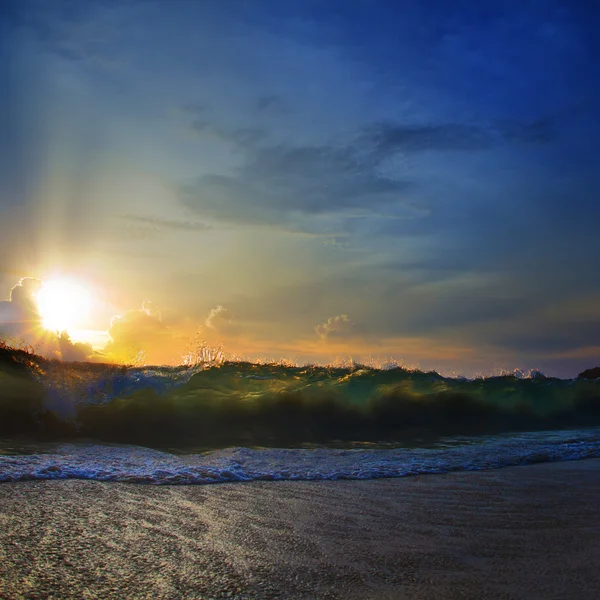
<point>142,465</point>
<point>245,404</point>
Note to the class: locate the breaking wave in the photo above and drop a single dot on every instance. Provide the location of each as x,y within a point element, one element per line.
<point>245,404</point>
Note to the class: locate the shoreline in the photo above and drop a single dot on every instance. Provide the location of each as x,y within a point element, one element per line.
<point>518,532</point>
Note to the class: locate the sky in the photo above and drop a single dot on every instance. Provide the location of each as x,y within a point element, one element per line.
<point>310,180</point>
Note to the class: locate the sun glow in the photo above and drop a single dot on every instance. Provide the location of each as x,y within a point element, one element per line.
<point>63,305</point>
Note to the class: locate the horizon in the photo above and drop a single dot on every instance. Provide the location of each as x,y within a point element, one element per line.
<point>205,356</point>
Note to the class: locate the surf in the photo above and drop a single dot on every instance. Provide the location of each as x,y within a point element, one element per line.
<point>274,405</point>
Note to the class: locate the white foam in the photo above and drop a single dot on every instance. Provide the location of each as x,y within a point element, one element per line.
<point>137,464</point>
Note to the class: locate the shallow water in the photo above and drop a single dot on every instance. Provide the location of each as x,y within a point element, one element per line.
<point>88,460</point>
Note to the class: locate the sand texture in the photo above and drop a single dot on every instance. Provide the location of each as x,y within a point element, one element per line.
<point>523,532</point>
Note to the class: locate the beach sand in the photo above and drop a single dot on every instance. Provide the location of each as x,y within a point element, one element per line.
<point>522,532</point>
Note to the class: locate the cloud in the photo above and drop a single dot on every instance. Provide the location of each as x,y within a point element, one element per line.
<point>148,225</point>
<point>338,326</point>
<point>20,322</point>
<point>74,352</point>
<point>240,137</point>
<point>306,187</point>
<point>22,293</point>
<point>142,336</point>
<point>19,316</point>
<point>270,103</point>
<point>389,137</point>
<point>221,320</point>
<point>278,184</point>
<point>541,131</point>
<point>138,331</point>
<point>285,184</point>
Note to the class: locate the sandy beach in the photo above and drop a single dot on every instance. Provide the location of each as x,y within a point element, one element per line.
<point>522,532</point>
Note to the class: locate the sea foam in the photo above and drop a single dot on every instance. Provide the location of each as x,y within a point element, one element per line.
<point>144,465</point>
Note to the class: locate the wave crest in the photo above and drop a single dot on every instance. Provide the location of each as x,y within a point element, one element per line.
<point>248,404</point>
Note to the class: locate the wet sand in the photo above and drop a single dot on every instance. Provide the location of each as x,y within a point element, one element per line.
<point>523,532</point>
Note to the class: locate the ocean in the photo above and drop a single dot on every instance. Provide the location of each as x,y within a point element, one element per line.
<point>242,421</point>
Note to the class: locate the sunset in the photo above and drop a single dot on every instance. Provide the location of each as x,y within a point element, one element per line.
<point>283,243</point>
<point>435,183</point>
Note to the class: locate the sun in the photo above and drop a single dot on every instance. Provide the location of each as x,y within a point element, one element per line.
<point>63,305</point>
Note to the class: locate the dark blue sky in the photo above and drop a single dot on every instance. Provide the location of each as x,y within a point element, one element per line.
<point>430,169</point>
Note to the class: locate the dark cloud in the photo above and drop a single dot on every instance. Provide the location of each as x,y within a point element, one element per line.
<point>271,104</point>
<point>389,138</point>
<point>541,131</point>
<point>540,337</point>
<point>74,352</point>
<point>280,182</point>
